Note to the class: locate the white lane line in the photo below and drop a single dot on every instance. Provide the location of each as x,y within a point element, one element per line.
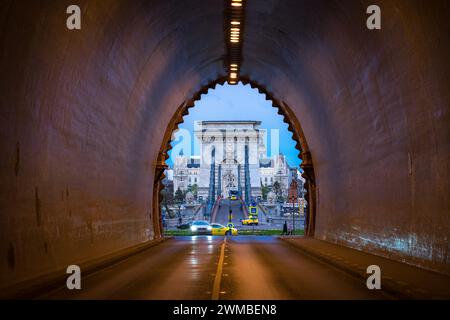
<point>218,278</point>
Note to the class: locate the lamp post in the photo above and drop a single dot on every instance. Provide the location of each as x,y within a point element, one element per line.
<point>293,196</point>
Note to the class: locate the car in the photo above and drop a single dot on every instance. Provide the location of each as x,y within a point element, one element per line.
<point>184,226</point>
<point>201,227</point>
<point>221,230</point>
<point>233,195</point>
<point>250,221</point>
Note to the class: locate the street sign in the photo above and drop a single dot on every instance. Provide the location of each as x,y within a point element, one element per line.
<point>230,225</point>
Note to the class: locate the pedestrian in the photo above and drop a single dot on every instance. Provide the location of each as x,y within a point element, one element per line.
<point>285,229</point>
<point>180,220</point>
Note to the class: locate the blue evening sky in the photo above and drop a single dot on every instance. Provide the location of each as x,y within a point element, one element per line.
<point>239,102</point>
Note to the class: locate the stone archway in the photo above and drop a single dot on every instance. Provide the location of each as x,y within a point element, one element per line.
<point>293,126</point>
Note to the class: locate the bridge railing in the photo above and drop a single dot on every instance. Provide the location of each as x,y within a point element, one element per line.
<point>244,208</point>
<point>215,209</point>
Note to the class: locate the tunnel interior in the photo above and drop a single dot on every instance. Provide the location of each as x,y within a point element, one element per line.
<point>87,116</point>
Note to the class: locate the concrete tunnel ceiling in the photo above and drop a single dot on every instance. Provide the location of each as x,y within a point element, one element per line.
<point>84,114</point>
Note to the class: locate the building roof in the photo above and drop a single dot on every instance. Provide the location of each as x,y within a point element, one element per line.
<point>265,163</point>
<point>193,163</point>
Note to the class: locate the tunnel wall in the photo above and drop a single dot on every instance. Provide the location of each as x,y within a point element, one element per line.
<point>374,108</point>
<point>83,114</point>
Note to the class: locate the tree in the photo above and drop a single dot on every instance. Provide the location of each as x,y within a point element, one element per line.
<point>194,189</point>
<point>179,196</point>
<point>276,188</point>
<point>167,197</point>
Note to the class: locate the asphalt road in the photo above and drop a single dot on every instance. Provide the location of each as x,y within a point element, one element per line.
<point>206,267</point>
<point>223,212</point>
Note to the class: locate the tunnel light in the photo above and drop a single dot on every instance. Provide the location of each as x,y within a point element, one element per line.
<point>235,39</point>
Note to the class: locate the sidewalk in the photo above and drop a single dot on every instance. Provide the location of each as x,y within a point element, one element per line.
<point>401,280</point>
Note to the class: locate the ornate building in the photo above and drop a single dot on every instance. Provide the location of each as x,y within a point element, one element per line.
<point>233,157</point>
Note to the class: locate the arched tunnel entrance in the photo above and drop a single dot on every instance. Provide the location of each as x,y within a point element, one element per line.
<point>293,126</point>
<point>87,113</point>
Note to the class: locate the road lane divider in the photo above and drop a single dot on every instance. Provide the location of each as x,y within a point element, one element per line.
<point>218,277</point>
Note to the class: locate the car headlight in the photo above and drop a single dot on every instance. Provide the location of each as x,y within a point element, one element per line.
<point>209,228</point>
<point>193,228</point>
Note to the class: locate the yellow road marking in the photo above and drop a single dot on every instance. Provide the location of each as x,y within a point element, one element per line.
<point>218,278</point>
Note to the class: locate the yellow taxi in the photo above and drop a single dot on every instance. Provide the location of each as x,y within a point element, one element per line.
<point>250,221</point>
<point>233,197</point>
<point>221,230</point>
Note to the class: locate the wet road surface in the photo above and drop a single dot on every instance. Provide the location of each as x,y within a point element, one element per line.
<point>251,267</point>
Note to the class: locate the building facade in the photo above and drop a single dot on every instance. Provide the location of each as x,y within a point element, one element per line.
<point>233,157</point>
